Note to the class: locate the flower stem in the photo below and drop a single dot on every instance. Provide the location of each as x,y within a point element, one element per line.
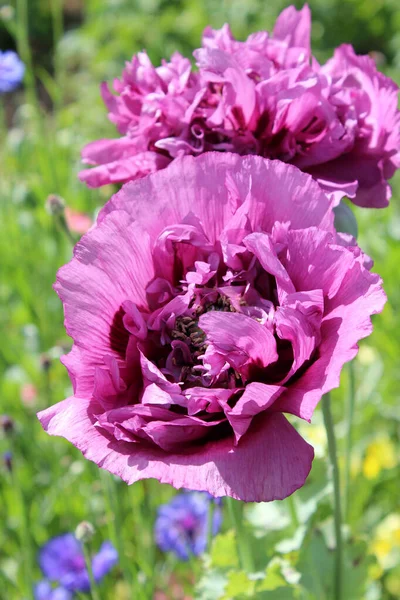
<point>66,230</point>
<point>113,505</point>
<point>349,437</point>
<point>326,410</point>
<point>56,7</point>
<point>88,560</point>
<point>293,512</point>
<point>235,509</point>
<point>25,538</point>
<point>48,165</point>
<point>210,522</point>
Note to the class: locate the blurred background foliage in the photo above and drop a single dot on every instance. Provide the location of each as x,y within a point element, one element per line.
<point>73,46</point>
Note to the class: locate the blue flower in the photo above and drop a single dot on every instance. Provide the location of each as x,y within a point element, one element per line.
<point>182,524</point>
<point>62,560</point>
<point>11,71</point>
<point>45,591</point>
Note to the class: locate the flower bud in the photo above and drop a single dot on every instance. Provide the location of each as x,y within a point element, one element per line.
<point>55,205</point>
<point>7,424</point>
<point>45,362</point>
<point>84,532</point>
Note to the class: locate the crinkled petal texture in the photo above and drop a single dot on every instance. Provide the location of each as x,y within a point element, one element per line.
<point>266,96</point>
<point>366,103</point>
<point>210,298</point>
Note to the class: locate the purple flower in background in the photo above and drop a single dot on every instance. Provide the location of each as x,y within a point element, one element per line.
<point>45,591</point>
<point>182,524</point>
<point>62,560</point>
<point>11,71</point>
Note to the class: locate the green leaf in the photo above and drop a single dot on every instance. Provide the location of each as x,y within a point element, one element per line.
<point>356,565</point>
<point>316,566</point>
<point>239,586</point>
<point>223,553</point>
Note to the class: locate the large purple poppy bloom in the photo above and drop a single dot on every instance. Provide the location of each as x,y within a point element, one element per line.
<point>266,96</point>
<point>182,524</point>
<point>61,560</point>
<point>209,299</point>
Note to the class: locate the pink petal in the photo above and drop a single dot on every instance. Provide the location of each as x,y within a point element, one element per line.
<point>241,340</point>
<point>277,192</point>
<point>102,152</point>
<point>124,169</point>
<point>262,247</point>
<point>346,321</point>
<point>111,264</point>
<point>269,463</point>
<point>299,321</point>
<point>294,27</point>
<point>256,398</point>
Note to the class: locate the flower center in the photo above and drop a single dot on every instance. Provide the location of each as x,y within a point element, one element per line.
<point>187,331</point>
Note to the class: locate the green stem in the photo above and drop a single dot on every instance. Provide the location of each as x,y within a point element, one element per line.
<point>26,548</point>
<point>293,512</point>
<point>88,560</point>
<point>25,52</point>
<point>326,410</point>
<point>57,21</point>
<point>210,521</point>
<point>235,509</point>
<point>64,227</point>
<point>349,436</point>
<point>113,518</point>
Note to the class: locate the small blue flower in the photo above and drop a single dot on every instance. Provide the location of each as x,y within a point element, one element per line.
<point>45,591</point>
<point>62,561</point>
<point>12,70</point>
<point>182,524</point>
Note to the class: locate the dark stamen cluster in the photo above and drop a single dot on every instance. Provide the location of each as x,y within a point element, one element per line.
<point>187,330</point>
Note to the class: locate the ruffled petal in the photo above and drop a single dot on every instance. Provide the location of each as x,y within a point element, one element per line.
<point>111,264</point>
<point>123,169</point>
<point>270,462</point>
<point>276,192</point>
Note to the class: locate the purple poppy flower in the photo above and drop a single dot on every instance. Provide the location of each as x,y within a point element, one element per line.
<point>268,96</point>
<point>62,560</point>
<point>11,71</point>
<point>209,299</point>
<point>182,524</point>
<point>45,591</point>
